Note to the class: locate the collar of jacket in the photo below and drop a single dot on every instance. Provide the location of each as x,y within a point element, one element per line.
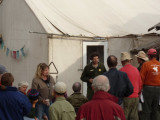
<point>60,98</point>
<point>153,59</point>
<point>9,88</point>
<point>111,69</point>
<point>104,95</point>
<point>76,93</point>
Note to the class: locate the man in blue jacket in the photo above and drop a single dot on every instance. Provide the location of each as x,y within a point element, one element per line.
<point>119,81</point>
<point>13,104</point>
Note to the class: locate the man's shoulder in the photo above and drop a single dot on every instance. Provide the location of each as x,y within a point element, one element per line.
<point>101,64</point>
<point>115,72</point>
<point>94,103</point>
<point>76,95</point>
<point>36,80</point>
<point>89,64</point>
<point>60,103</point>
<point>121,72</point>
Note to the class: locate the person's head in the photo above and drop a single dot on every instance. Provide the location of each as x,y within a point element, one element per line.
<point>95,58</point>
<point>22,86</point>
<point>112,61</point>
<point>60,89</point>
<point>152,53</point>
<point>7,79</point>
<point>76,87</point>
<point>141,57</point>
<point>42,70</point>
<point>2,70</point>
<point>100,83</point>
<point>33,95</point>
<point>125,58</point>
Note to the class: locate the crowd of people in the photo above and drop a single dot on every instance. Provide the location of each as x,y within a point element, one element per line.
<point>111,94</point>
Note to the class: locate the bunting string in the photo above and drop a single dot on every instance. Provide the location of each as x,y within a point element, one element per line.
<point>14,53</point>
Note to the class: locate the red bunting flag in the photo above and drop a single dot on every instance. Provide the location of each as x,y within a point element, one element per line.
<point>14,54</point>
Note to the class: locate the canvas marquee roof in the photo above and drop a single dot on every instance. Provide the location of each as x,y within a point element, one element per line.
<point>96,17</point>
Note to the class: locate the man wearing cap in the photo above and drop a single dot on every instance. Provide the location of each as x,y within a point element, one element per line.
<point>61,109</point>
<point>131,102</point>
<point>141,58</point>
<point>150,74</point>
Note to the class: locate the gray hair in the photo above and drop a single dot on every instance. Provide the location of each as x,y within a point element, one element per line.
<point>101,82</point>
<point>76,87</point>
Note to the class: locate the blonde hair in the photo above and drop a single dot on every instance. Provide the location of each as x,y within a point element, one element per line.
<point>40,68</point>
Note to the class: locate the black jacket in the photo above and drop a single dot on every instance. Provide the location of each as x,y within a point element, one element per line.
<point>119,83</point>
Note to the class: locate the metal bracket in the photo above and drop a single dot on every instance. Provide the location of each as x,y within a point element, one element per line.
<point>54,67</point>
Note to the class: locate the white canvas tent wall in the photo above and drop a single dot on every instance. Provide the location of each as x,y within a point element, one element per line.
<point>16,19</point>
<point>97,17</point>
<point>110,19</point>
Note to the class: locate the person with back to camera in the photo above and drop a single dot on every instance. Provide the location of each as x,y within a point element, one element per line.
<point>61,109</point>
<point>13,104</point>
<point>130,103</point>
<point>103,105</point>
<point>33,95</point>
<point>150,74</point>
<point>119,82</point>
<point>44,83</point>
<point>77,98</point>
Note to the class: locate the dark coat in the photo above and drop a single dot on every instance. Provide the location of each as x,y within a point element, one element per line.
<point>119,83</point>
<point>91,72</point>
<point>13,104</point>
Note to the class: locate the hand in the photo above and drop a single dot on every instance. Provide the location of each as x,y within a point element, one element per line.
<point>90,80</point>
<point>35,118</point>
<point>34,103</point>
<point>45,102</point>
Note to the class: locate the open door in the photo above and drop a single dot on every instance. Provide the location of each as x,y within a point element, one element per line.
<point>89,48</point>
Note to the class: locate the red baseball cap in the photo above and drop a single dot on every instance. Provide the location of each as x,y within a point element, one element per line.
<point>152,51</point>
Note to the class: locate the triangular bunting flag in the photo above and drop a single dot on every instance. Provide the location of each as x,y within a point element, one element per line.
<point>7,52</point>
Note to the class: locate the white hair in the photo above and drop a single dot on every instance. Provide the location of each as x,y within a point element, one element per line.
<point>23,83</point>
<point>101,82</point>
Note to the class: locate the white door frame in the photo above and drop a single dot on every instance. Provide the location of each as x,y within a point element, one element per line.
<point>94,43</point>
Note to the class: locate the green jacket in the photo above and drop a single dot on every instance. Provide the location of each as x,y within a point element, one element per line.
<point>77,99</point>
<point>89,73</point>
<point>61,110</point>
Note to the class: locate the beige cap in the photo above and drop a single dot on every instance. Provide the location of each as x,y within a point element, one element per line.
<point>23,83</point>
<point>125,56</point>
<point>142,55</point>
<point>60,87</point>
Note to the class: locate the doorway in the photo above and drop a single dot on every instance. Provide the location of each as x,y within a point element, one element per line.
<point>90,47</point>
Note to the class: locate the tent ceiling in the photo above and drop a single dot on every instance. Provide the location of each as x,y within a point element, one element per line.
<point>96,17</point>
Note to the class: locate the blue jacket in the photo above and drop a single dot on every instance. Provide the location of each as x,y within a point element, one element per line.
<point>13,104</point>
<point>119,83</point>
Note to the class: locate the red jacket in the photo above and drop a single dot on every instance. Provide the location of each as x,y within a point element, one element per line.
<point>135,78</point>
<point>102,107</point>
